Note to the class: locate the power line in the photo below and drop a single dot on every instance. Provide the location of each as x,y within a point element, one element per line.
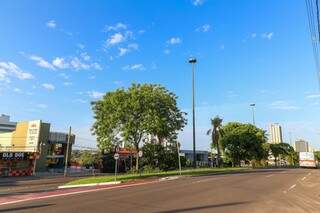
<point>314,24</point>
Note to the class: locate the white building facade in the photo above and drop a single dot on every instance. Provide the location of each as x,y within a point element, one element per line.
<point>275,134</point>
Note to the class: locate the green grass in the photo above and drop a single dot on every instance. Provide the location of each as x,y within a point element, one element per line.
<point>127,177</point>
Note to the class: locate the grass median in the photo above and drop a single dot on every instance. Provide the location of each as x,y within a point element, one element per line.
<point>127,177</point>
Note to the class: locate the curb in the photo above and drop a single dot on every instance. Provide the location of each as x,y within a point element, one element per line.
<point>169,178</point>
<point>90,184</point>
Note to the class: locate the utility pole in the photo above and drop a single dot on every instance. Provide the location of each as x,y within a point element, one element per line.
<point>178,150</point>
<point>253,118</point>
<point>37,155</point>
<point>290,138</point>
<point>67,154</point>
<point>193,61</point>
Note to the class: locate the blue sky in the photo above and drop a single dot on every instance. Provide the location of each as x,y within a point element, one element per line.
<point>57,56</point>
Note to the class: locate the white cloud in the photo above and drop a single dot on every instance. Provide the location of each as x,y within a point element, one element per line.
<point>133,46</point>
<point>134,67</point>
<point>174,40</point>
<point>51,24</point>
<point>60,63</point>
<point>118,83</point>
<point>253,35</point>
<point>222,46</point>
<point>96,66</point>
<point>64,76</point>
<point>267,35</point>
<point>167,51</point>
<point>92,77</point>
<point>81,46</point>
<point>204,28</point>
<point>115,39</point>
<point>77,64</point>
<point>79,100</point>
<point>67,83</point>
<point>317,95</point>
<point>85,56</point>
<point>8,69</point>
<point>41,62</point>
<point>42,106</point>
<point>48,86</point>
<point>95,94</point>
<point>197,2</point>
<point>116,27</point>
<point>283,105</point>
<point>123,51</point>
<point>17,90</point>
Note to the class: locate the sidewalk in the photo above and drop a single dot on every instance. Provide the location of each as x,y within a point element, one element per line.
<point>11,199</point>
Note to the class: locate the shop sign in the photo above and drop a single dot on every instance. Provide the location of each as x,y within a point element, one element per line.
<point>33,133</point>
<point>13,155</point>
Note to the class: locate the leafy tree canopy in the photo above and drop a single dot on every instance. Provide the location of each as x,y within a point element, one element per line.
<point>131,114</point>
<point>244,142</point>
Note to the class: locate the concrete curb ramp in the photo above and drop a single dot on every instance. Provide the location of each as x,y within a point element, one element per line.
<point>90,184</point>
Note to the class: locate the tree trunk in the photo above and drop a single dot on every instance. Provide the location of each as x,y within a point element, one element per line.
<point>131,161</point>
<point>137,162</point>
<point>218,150</point>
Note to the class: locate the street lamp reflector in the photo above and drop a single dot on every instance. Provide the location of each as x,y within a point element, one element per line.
<point>192,60</point>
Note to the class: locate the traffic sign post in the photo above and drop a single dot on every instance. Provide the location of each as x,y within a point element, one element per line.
<point>116,157</point>
<point>140,154</point>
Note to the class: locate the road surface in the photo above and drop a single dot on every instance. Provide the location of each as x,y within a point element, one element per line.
<point>282,190</point>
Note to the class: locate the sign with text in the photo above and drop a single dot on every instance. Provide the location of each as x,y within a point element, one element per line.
<point>14,155</point>
<point>307,159</point>
<point>33,133</point>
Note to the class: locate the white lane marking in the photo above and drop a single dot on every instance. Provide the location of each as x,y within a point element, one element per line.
<point>269,175</point>
<point>303,178</point>
<point>291,187</point>
<point>73,193</point>
<point>204,180</point>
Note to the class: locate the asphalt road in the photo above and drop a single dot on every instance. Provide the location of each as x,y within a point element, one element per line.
<point>287,190</point>
<point>32,184</point>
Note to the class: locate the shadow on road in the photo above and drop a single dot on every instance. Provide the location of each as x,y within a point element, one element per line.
<point>253,171</point>
<point>205,207</point>
<point>25,208</point>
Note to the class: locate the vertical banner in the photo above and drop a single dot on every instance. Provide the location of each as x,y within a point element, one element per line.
<point>33,135</point>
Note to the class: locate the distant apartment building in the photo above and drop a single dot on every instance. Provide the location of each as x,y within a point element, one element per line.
<point>275,134</point>
<point>301,146</point>
<point>6,125</point>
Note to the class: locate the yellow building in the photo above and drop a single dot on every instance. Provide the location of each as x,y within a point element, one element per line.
<point>31,148</point>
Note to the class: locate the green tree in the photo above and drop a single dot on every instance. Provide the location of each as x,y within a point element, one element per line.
<point>282,150</point>
<point>87,158</point>
<point>244,142</point>
<point>158,156</point>
<point>133,114</point>
<point>317,155</point>
<point>216,132</point>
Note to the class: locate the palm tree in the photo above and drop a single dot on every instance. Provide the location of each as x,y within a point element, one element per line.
<point>216,132</point>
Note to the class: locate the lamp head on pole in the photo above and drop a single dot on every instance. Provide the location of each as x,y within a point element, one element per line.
<point>252,105</point>
<point>192,60</point>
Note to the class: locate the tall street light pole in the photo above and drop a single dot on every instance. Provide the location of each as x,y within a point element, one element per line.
<point>193,61</point>
<point>253,119</point>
